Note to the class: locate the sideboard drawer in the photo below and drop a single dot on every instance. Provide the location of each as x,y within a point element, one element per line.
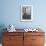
<point>34,33</point>
<point>37,39</point>
<point>13,33</point>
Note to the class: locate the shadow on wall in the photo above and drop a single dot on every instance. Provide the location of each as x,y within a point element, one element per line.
<point>2,26</point>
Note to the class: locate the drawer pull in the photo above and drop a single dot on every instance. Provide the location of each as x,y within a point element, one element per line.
<point>10,38</point>
<point>33,39</point>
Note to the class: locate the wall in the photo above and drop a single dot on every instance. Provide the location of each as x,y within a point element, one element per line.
<point>10,13</point>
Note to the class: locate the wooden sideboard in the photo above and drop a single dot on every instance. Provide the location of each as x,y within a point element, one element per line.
<point>23,38</point>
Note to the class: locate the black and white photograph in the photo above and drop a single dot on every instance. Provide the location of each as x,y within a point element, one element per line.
<point>26,13</point>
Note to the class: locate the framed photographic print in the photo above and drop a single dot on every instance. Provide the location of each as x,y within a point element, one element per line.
<point>26,13</point>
